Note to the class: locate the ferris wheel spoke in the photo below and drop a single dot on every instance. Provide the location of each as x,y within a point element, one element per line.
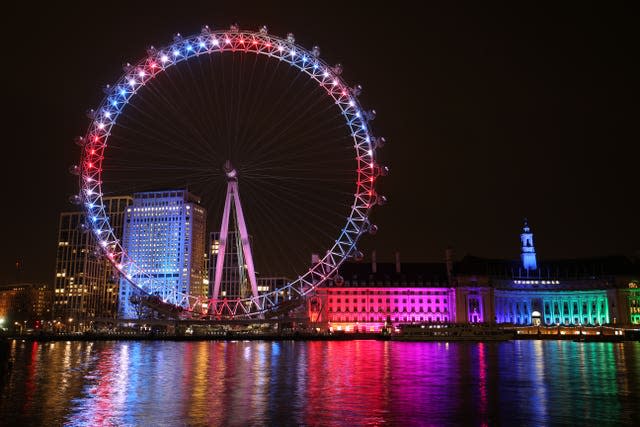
<point>296,133</point>
<point>169,136</point>
<point>294,203</point>
<point>279,228</point>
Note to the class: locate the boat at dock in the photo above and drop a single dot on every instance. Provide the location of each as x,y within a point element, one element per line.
<point>451,332</point>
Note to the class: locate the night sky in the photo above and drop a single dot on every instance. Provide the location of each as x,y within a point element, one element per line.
<point>492,113</point>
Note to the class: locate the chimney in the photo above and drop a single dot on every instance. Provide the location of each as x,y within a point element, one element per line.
<point>374,263</point>
<point>448,256</point>
<point>397,262</point>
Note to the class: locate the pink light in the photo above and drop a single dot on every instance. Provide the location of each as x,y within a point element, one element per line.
<point>141,73</point>
<point>227,40</point>
<point>268,45</point>
<point>164,58</point>
<point>101,126</point>
<point>154,65</point>
<point>215,41</point>
<point>90,165</point>
<point>242,41</point>
<point>93,152</point>
<point>255,42</point>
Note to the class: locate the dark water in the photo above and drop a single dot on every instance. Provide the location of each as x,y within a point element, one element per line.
<point>337,383</point>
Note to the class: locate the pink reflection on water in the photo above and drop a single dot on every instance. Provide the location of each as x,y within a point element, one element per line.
<point>30,383</point>
<point>482,383</point>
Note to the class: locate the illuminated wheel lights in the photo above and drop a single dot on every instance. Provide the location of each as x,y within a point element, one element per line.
<point>210,42</point>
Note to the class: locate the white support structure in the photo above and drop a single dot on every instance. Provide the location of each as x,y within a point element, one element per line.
<point>232,192</point>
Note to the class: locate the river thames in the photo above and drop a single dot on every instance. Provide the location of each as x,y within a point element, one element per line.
<point>321,383</point>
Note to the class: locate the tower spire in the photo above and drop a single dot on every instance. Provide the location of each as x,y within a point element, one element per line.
<point>528,253</point>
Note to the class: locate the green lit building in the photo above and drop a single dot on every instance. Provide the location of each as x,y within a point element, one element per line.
<point>588,291</point>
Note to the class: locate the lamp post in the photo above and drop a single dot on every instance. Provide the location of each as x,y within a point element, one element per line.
<point>70,323</point>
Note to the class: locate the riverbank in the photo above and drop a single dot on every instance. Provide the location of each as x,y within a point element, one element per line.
<point>212,336</point>
<point>292,336</point>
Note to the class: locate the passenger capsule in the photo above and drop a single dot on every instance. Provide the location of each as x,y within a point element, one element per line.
<point>315,51</point>
<point>75,199</point>
<point>74,170</point>
<point>338,280</point>
<point>371,115</point>
<point>380,142</point>
<point>79,141</point>
<point>373,229</point>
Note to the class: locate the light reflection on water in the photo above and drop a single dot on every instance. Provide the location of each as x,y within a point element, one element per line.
<point>328,383</point>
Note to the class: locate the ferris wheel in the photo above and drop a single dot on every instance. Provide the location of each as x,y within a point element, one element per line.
<point>328,84</point>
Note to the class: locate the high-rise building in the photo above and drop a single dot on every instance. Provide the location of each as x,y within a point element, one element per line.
<point>85,283</point>
<point>234,282</point>
<point>164,233</point>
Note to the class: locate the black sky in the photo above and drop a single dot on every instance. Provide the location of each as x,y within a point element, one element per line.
<point>493,113</point>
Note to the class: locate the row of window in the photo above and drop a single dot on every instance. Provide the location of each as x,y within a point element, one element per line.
<point>388,310</point>
<point>395,300</point>
<point>387,292</point>
<point>393,319</point>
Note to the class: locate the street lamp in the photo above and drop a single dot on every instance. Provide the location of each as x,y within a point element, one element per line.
<point>70,322</point>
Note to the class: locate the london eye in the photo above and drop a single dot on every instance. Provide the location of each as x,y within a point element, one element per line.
<point>244,109</point>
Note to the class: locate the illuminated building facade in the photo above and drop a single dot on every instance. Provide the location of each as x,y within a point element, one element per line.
<point>164,232</point>
<point>20,302</point>
<point>85,284</point>
<point>589,291</point>
<point>370,297</point>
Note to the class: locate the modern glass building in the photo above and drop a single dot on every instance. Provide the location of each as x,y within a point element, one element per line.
<point>164,232</point>
<point>85,285</point>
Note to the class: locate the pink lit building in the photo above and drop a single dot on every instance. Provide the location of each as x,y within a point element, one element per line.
<point>369,296</point>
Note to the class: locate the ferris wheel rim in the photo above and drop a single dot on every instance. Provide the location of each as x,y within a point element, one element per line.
<point>136,76</point>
